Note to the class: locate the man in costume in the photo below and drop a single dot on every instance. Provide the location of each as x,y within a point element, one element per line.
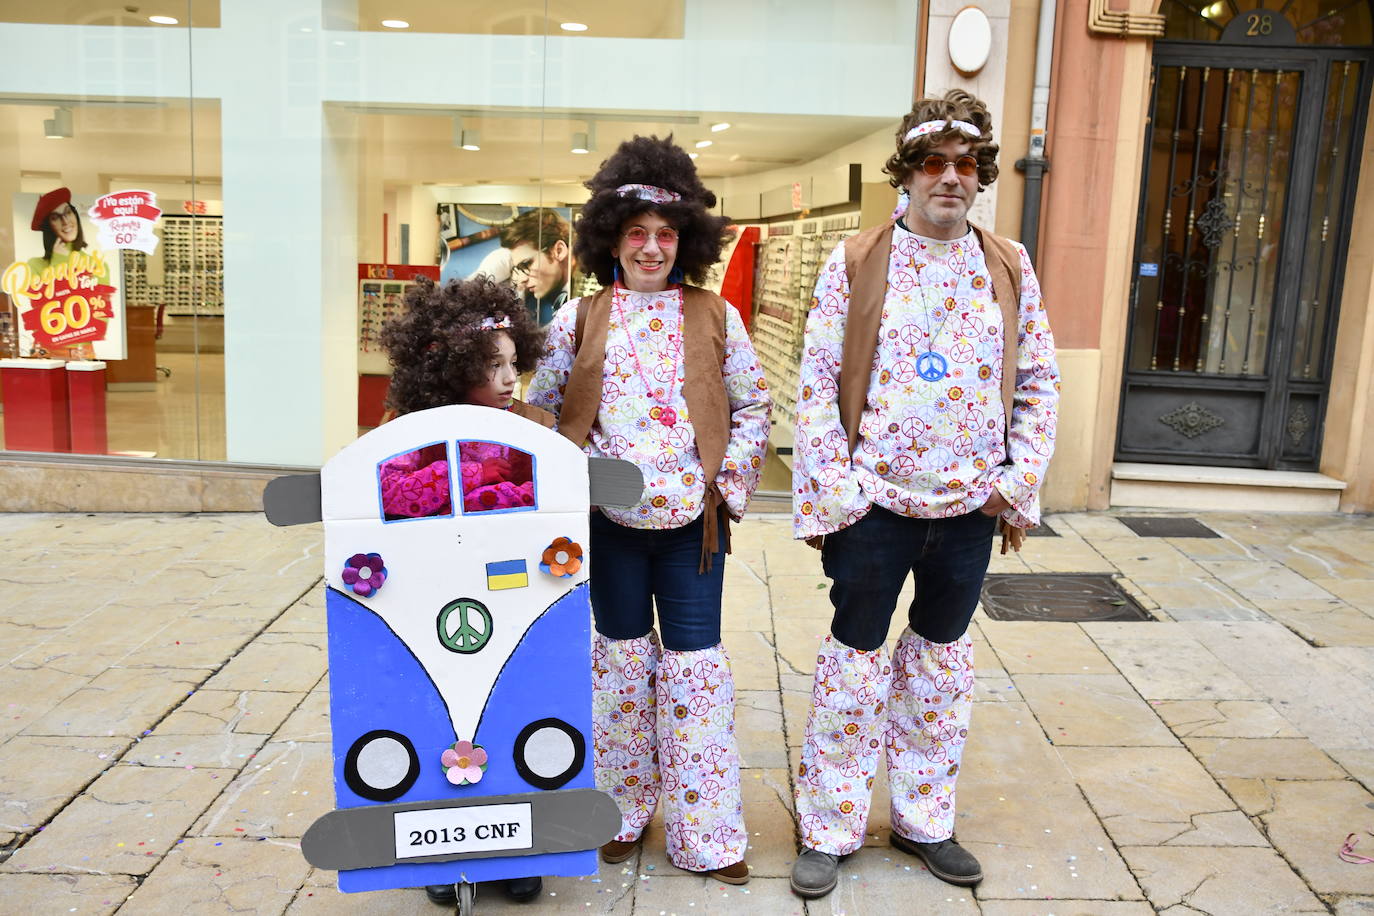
<point>916,440</point>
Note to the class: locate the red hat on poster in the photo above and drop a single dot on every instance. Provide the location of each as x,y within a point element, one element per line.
<point>48,203</point>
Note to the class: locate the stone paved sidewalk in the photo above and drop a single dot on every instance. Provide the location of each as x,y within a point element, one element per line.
<point>164,733</point>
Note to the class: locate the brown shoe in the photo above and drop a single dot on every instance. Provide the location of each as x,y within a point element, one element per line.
<point>619,850</point>
<point>731,874</point>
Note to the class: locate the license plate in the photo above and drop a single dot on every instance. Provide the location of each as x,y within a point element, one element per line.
<point>477,828</point>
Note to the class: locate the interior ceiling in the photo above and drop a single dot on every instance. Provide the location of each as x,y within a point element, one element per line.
<point>418,148</point>
<point>603,18</point>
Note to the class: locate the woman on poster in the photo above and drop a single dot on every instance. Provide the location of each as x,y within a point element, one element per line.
<point>660,373</point>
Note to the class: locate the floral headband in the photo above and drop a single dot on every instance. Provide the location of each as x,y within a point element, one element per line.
<point>931,127</point>
<point>494,324</point>
<point>648,192</point>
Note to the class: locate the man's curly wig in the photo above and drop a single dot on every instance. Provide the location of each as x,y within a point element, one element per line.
<point>663,164</point>
<point>438,351</point>
<point>954,105</point>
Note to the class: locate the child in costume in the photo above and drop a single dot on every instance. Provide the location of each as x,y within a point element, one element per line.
<point>463,343</point>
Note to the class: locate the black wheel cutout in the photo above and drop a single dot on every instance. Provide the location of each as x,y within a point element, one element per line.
<point>559,752</point>
<point>381,765</point>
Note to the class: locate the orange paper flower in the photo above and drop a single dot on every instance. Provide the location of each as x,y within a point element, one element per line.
<point>562,558</point>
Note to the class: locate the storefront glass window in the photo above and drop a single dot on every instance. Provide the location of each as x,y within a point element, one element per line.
<point>311,158</point>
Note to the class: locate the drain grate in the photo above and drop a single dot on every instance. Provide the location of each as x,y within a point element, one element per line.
<point>1167,527</point>
<point>1042,530</point>
<point>1066,597</point>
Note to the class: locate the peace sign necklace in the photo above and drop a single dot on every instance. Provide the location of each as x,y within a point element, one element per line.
<point>660,393</point>
<point>930,366</point>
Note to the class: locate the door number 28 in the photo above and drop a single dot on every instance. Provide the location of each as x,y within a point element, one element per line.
<point>1259,24</point>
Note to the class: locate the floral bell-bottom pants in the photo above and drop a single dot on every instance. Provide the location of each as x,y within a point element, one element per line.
<point>663,727</point>
<point>913,708</point>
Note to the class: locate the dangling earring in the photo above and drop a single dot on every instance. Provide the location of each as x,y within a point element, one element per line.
<point>903,203</point>
<point>675,275</point>
<point>615,273</point>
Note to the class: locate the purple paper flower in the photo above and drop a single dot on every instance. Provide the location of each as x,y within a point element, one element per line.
<point>364,573</point>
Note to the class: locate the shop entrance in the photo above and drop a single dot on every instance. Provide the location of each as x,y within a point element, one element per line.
<point>1247,190</point>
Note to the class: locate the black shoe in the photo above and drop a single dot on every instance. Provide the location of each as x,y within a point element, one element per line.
<point>523,889</point>
<point>442,894</point>
<point>946,859</point>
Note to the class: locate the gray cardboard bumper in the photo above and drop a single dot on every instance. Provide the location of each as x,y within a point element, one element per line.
<point>563,820</point>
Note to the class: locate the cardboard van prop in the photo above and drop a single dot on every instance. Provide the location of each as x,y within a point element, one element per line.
<point>459,640</point>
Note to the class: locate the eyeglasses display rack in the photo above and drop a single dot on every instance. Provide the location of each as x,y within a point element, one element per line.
<point>790,260</point>
<point>191,256</point>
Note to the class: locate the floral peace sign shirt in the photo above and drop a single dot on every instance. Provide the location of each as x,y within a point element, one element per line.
<point>643,416</point>
<point>931,438</point>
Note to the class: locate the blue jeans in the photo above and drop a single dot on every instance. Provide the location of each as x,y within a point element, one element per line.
<point>868,564</point>
<point>634,569</point>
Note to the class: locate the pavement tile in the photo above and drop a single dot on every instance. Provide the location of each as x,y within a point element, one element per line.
<point>758,723</point>
<point>309,721</point>
<point>1093,526</point>
<point>207,875</point>
<point>1263,580</point>
<point>683,893</point>
<point>211,712</point>
<point>42,774</point>
<point>120,701</point>
<point>123,823</point>
<point>275,661</point>
<point>1323,623</point>
<point>1358,592</point>
<point>1024,818</point>
<point>1092,709</point>
<point>1203,599</point>
<point>1157,796</point>
<point>1173,667</point>
<point>1231,879</point>
<point>1224,719</point>
<point>1358,763</point>
<point>746,607</point>
<point>228,750</point>
<point>306,615</point>
<point>26,695</point>
<point>1307,824</point>
<point>195,642</point>
<point>796,706</point>
<point>1034,648</point>
<point>279,794</point>
<point>1061,907</point>
<point>1326,703</point>
<point>86,895</point>
<point>1253,758</point>
<point>1355,906</point>
<point>752,660</point>
<point>1312,557</point>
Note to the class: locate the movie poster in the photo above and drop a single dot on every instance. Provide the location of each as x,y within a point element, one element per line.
<point>528,247</point>
<point>66,279</point>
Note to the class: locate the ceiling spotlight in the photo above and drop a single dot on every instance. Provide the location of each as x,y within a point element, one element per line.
<point>584,142</point>
<point>573,26</point>
<point>702,144</point>
<point>163,20</point>
<point>395,24</point>
<point>466,139</point>
<point>717,128</point>
<point>59,126</point>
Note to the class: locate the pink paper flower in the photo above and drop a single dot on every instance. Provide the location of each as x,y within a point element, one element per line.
<point>364,573</point>
<point>464,763</point>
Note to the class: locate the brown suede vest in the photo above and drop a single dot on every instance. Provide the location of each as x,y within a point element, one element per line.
<point>530,412</point>
<point>708,404</point>
<point>866,262</point>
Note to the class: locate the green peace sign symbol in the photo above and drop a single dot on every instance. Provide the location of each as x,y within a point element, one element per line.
<point>465,638</point>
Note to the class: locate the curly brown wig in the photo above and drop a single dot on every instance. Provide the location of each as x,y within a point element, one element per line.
<point>954,105</point>
<point>437,349</point>
<point>663,164</point>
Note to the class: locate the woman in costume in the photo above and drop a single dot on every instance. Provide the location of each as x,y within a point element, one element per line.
<point>662,374</point>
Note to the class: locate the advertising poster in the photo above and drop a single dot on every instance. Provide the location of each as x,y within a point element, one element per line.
<point>66,279</point>
<point>528,247</point>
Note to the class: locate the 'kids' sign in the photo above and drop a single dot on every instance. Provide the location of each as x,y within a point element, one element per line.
<point>126,220</point>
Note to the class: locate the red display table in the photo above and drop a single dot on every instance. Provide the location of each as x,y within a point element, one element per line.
<point>86,411</point>
<point>36,412</point>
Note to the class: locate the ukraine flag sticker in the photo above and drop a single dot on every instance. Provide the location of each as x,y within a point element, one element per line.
<point>505,574</point>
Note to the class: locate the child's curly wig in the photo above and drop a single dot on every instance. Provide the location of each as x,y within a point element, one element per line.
<point>663,164</point>
<point>438,350</point>
<point>954,105</point>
